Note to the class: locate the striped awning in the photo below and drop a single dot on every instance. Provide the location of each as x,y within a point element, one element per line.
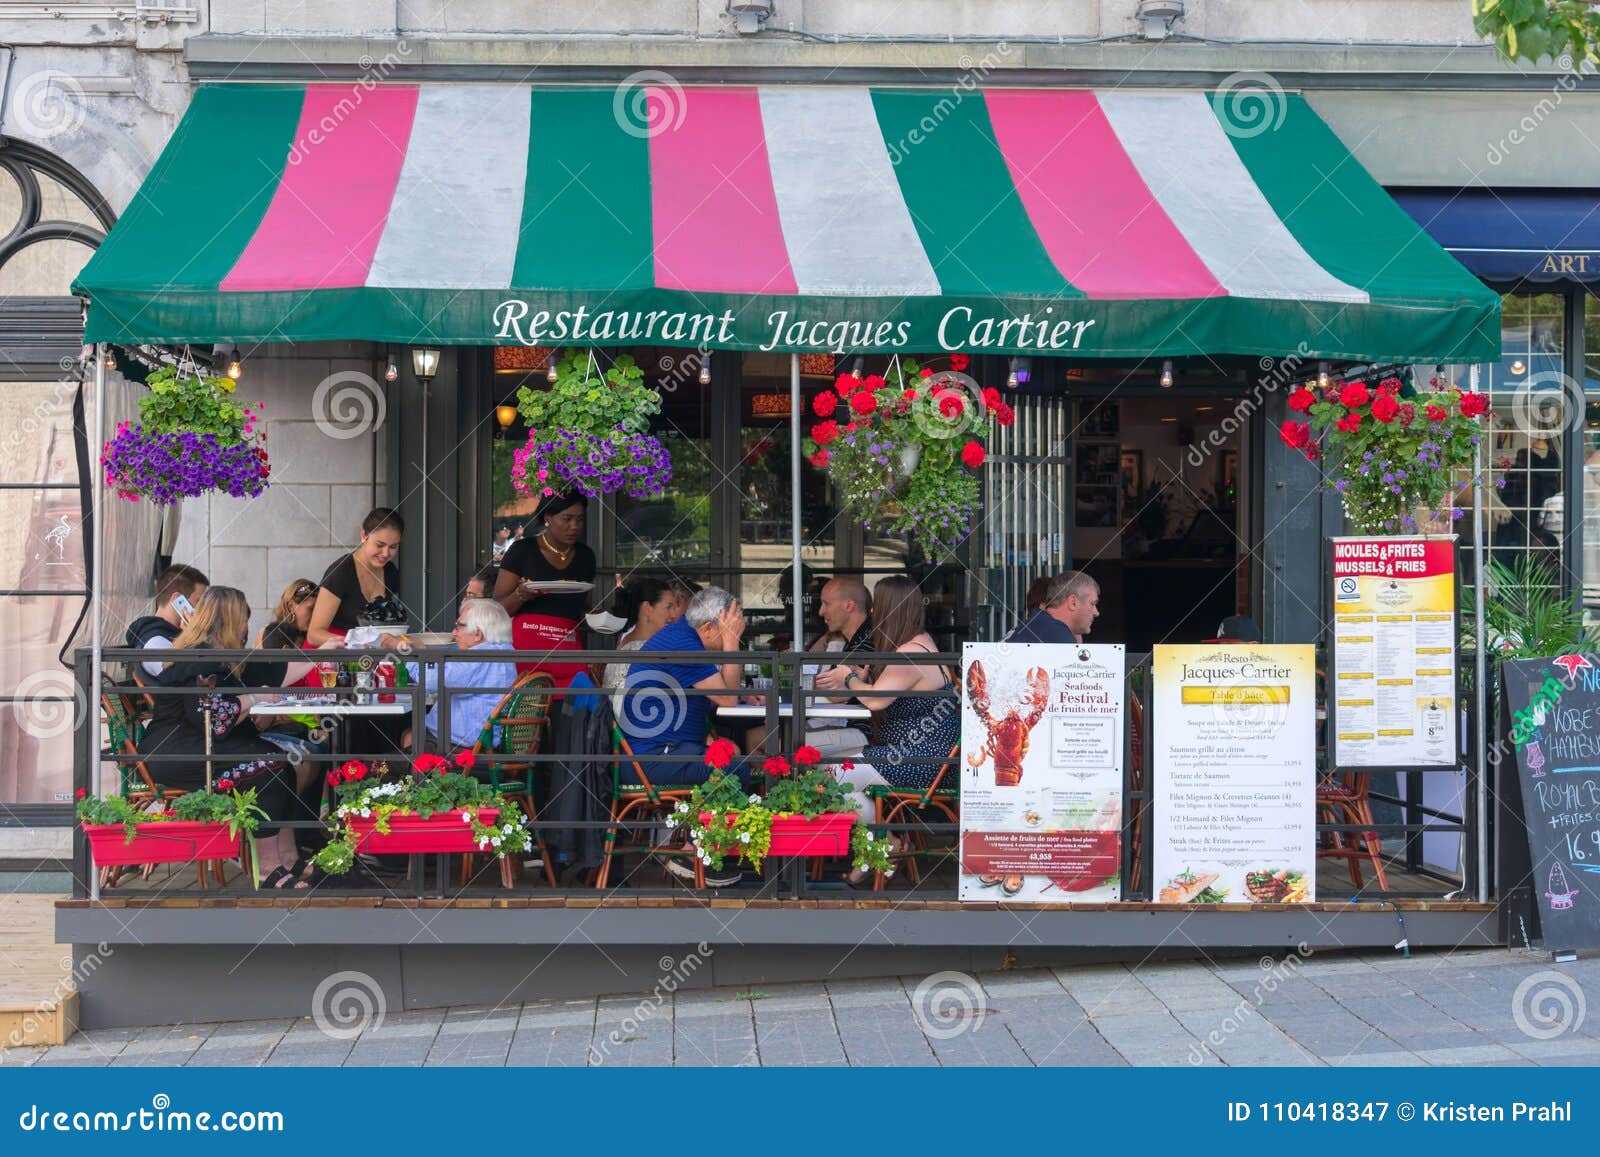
<point>1091,224</point>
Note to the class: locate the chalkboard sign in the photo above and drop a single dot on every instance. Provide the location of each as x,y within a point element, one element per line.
<point>1555,730</point>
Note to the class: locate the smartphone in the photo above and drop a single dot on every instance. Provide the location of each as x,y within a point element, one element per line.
<point>184,608</point>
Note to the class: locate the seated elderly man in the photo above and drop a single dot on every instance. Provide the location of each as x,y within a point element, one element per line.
<point>483,625</point>
<point>657,717</point>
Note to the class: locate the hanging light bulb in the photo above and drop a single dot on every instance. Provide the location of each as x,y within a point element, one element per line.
<point>1012,379</point>
<point>1166,374</point>
<point>110,360</point>
<point>858,368</point>
<point>1322,375</point>
<point>705,368</point>
<point>550,374</point>
<point>235,366</point>
<point>391,372</point>
<point>1024,370</point>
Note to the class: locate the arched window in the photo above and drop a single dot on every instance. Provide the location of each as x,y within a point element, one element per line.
<point>51,220</point>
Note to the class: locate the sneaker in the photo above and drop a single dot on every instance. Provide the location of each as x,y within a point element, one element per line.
<point>684,872</point>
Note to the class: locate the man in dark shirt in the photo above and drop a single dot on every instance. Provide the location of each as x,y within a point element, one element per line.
<point>165,622</point>
<point>1071,605</point>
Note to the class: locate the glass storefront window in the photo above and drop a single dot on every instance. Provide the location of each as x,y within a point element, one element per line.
<point>1589,567</point>
<point>1523,497</point>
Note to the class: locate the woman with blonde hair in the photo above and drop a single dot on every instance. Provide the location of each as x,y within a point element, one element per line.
<point>242,756</point>
<point>291,618</point>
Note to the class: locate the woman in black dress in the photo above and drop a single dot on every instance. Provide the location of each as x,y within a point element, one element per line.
<point>363,584</point>
<point>548,622</point>
<point>249,758</point>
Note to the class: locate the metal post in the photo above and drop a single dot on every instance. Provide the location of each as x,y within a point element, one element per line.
<point>794,500</point>
<point>91,709</point>
<point>425,483</point>
<point>1480,665</point>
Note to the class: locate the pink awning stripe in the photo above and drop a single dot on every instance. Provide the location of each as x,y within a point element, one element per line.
<point>716,218</point>
<point>333,197</point>
<point>1101,225</point>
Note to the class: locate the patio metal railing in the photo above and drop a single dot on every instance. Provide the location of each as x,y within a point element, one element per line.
<point>557,771</point>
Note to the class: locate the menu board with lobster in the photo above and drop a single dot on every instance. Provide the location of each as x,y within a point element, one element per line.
<point>1233,786</point>
<point>1041,775</point>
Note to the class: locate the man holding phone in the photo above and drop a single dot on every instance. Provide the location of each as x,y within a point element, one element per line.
<point>178,588</point>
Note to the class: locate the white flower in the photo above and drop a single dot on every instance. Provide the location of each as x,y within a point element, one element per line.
<point>681,808</point>
<point>508,830</point>
<point>887,872</point>
<point>366,813</point>
<point>483,845</point>
<point>744,837</point>
<point>754,798</point>
<point>869,836</point>
<point>466,816</point>
<point>495,842</point>
<point>706,857</point>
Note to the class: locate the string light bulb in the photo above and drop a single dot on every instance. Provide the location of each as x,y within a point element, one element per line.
<point>110,360</point>
<point>391,372</point>
<point>1011,379</point>
<point>705,368</point>
<point>550,373</point>
<point>1322,375</point>
<point>1166,374</point>
<point>235,366</point>
<point>858,368</point>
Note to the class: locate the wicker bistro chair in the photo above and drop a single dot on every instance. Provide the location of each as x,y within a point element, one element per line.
<point>1344,800</point>
<point>516,727</point>
<point>124,729</point>
<point>631,804</point>
<point>894,804</point>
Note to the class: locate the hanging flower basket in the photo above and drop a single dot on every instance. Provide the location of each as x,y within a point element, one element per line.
<point>1390,455</point>
<point>589,431</point>
<point>192,439</point>
<point>904,447</point>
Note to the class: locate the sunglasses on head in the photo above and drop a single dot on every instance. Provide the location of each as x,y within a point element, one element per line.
<point>305,591</point>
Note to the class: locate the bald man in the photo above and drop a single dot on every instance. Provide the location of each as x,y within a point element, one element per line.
<point>846,608</point>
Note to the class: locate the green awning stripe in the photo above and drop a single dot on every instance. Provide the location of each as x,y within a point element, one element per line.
<point>974,227</point>
<point>586,215</point>
<point>1343,218</point>
<point>207,193</point>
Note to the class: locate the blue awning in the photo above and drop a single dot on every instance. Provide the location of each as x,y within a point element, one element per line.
<point>1506,235</point>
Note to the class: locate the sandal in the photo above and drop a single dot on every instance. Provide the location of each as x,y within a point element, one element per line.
<point>275,880</point>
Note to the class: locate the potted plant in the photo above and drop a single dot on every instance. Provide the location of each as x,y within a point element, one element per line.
<point>435,808</point>
<point>904,447</point>
<point>806,812</point>
<point>591,431</point>
<point>192,437</point>
<point>1389,455</point>
<point>203,825</point>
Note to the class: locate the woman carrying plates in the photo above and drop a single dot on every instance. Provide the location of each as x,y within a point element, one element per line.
<point>546,621</point>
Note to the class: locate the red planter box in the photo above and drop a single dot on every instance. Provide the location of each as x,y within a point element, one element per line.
<point>174,842</point>
<point>411,835</point>
<point>824,835</point>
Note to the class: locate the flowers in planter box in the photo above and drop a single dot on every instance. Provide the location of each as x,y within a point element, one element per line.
<point>740,825</point>
<point>237,809</point>
<point>432,787</point>
<point>1389,455</point>
<point>192,438</point>
<point>590,431</point>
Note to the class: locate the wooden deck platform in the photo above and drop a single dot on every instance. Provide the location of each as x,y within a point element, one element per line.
<point>38,1000</point>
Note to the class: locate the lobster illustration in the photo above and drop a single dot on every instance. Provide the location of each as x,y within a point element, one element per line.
<point>1008,736</point>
